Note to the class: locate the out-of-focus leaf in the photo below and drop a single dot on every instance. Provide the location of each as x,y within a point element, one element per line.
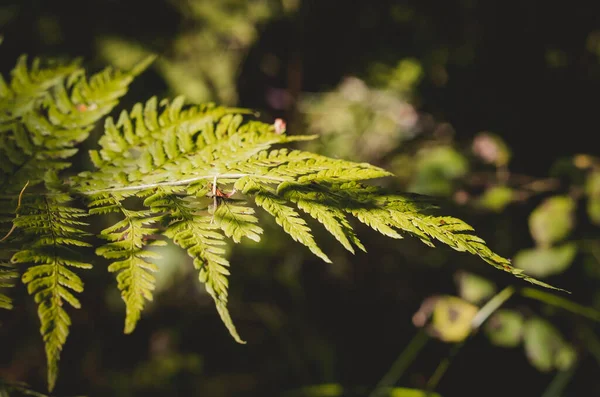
<point>593,209</point>
<point>552,220</point>
<point>120,52</point>
<point>543,344</point>
<point>565,357</point>
<point>496,198</point>
<point>404,392</point>
<point>323,390</point>
<point>565,168</point>
<point>402,78</point>
<point>436,170</point>
<point>491,149</point>
<point>358,121</point>
<point>336,390</point>
<point>451,317</point>
<point>592,189</point>
<point>162,370</point>
<point>505,328</point>
<point>474,288</point>
<point>544,262</point>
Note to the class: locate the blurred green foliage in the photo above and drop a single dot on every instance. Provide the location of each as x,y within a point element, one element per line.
<point>505,328</point>
<point>203,60</point>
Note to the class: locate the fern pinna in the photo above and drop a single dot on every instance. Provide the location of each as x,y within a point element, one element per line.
<point>176,160</point>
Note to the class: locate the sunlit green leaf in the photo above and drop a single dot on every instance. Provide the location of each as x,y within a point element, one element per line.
<point>544,262</point>
<point>474,288</point>
<point>496,198</point>
<point>451,319</point>
<point>505,328</point>
<point>436,170</point>
<point>592,189</point>
<point>544,345</point>
<point>552,220</point>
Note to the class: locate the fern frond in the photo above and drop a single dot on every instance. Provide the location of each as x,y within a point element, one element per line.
<point>51,227</point>
<point>303,167</point>
<point>285,216</point>
<point>193,229</point>
<point>61,109</point>
<point>237,221</point>
<point>129,258</point>
<point>8,275</point>
<point>169,156</point>
<point>82,102</point>
<point>315,204</point>
<point>390,213</point>
<point>148,137</point>
<point>28,84</point>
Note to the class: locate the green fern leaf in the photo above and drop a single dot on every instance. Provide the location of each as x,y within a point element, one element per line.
<point>332,218</point>
<point>28,84</point>
<point>194,230</point>
<point>285,216</point>
<point>305,167</point>
<point>221,147</point>
<point>145,129</point>
<point>389,213</point>
<point>82,102</point>
<point>129,258</point>
<point>237,221</point>
<point>51,228</point>
<point>49,112</point>
<point>7,277</point>
<point>169,154</point>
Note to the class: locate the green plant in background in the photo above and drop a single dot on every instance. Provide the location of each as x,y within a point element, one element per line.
<point>360,121</point>
<point>214,33</point>
<point>551,223</point>
<point>169,170</point>
<point>476,177</point>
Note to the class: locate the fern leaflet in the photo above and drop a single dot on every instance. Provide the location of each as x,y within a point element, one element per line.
<point>52,228</point>
<point>7,277</point>
<point>193,229</point>
<point>128,238</point>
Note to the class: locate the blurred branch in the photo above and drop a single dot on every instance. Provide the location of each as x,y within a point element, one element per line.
<point>560,381</point>
<point>557,301</point>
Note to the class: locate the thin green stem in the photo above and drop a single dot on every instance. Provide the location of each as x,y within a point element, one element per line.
<point>491,306</point>
<point>443,366</point>
<point>406,357</point>
<point>561,302</point>
<point>560,382</point>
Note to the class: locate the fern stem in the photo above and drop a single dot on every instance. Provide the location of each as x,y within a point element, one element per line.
<point>182,182</point>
